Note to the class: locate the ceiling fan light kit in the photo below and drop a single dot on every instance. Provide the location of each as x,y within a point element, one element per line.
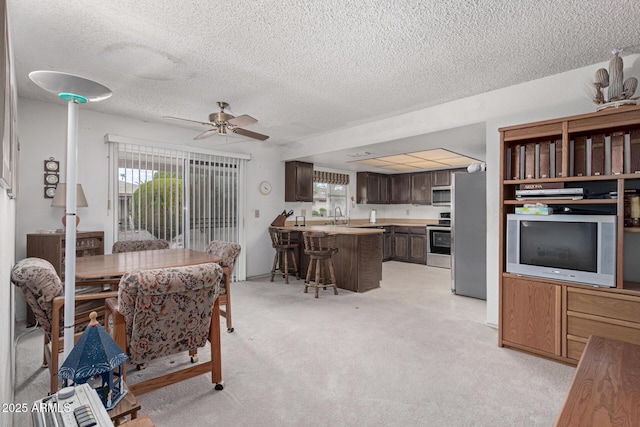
<point>223,122</point>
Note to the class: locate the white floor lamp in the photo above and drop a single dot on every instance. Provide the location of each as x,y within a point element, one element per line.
<point>75,90</point>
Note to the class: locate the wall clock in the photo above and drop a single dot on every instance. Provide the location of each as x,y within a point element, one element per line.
<point>49,192</point>
<point>265,187</point>
<point>51,178</point>
<point>51,165</point>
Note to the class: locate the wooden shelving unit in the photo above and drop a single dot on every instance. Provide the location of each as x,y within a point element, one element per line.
<point>554,318</point>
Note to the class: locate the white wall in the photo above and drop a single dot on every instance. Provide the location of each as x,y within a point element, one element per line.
<point>556,96</point>
<point>42,130</point>
<point>7,291</point>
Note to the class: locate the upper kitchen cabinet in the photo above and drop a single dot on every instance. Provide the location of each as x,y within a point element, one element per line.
<point>298,182</point>
<point>442,178</point>
<point>372,188</point>
<point>400,188</point>
<point>421,188</point>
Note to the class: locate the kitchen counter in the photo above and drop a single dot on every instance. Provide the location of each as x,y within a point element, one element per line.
<point>358,262</point>
<point>360,223</point>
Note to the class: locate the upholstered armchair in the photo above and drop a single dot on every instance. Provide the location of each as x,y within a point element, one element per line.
<point>44,292</point>
<point>229,252</point>
<point>139,245</point>
<point>166,311</point>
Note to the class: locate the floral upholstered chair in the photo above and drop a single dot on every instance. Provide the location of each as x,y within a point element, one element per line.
<point>166,311</point>
<point>139,245</point>
<point>229,252</point>
<point>44,292</point>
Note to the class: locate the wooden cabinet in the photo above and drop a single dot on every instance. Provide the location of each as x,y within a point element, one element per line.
<point>421,188</point>
<point>372,188</point>
<point>387,244</point>
<point>410,244</point>
<point>400,188</point>
<point>401,244</point>
<point>51,246</point>
<point>298,182</point>
<point>441,178</point>
<point>599,152</point>
<point>606,314</point>
<point>531,315</point>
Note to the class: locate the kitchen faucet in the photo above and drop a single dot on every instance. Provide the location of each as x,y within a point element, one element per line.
<point>335,214</point>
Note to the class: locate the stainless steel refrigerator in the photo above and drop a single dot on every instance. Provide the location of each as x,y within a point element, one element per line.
<point>469,234</point>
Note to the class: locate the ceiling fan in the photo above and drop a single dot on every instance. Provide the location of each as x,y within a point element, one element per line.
<point>223,122</point>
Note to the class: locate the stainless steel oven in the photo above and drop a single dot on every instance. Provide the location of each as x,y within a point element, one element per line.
<point>439,242</point>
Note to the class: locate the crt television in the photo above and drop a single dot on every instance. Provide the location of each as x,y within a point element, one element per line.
<point>574,248</point>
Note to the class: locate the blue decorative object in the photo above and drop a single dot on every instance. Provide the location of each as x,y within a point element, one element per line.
<point>97,360</point>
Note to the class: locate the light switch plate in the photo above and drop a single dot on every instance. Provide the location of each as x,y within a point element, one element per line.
<point>257,213</point>
<point>303,212</point>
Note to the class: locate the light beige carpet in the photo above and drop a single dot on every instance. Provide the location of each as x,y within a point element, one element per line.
<point>407,354</point>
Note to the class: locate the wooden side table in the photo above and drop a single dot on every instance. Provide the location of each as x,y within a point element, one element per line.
<point>129,405</point>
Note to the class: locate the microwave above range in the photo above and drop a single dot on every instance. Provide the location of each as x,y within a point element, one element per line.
<point>441,196</point>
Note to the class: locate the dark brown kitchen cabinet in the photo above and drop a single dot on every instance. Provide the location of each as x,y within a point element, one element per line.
<point>400,188</point>
<point>421,188</point>
<point>441,178</point>
<point>298,182</point>
<point>401,244</point>
<point>418,245</point>
<point>372,188</point>
<point>387,244</point>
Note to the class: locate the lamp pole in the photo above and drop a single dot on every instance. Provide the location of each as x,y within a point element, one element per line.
<point>75,90</point>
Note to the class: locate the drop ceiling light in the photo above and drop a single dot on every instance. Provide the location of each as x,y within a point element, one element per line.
<point>438,158</point>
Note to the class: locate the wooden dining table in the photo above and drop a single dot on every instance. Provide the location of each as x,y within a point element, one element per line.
<point>116,265</point>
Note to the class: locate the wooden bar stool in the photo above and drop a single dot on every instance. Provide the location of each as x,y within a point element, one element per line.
<point>281,242</point>
<point>320,247</point>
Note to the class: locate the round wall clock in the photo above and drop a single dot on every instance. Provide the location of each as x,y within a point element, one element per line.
<point>51,165</point>
<point>265,187</point>
<point>51,178</point>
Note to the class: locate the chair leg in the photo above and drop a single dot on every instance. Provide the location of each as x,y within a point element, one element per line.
<point>275,264</point>
<point>227,308</point>
<point>333,277</point>
<point>286,267</point>
<point>318,268</point>
<point>295,265</point>
<point>45,363</point>
<point>306,280</point>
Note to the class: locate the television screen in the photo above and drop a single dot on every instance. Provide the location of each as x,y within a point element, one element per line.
<point>567,245</point>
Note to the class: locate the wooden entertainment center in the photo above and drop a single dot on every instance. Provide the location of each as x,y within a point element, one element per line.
<point>599,152</point>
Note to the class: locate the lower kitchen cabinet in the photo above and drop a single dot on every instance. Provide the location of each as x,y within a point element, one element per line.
<point>418,245</point>
<point>401,244</point>
<point>410,244</point>
<point>387,244</point>
<point>531,315</point>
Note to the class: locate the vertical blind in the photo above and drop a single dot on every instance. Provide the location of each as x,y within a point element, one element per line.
<point>185,197</point>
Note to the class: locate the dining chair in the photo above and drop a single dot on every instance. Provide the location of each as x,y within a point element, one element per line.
<point>228,252</point>
<point>44,292</point>
<point>165,311</point>
<point>139,245</point>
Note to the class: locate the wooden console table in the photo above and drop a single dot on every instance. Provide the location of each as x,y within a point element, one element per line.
<point>605,389</point>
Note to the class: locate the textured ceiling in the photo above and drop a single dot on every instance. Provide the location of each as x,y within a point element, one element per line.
<point>304,68</point>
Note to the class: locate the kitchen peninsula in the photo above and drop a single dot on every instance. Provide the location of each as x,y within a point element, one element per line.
<point>358,262</point>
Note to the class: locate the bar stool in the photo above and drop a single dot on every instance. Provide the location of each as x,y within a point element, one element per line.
<point>281,242</point>
<point>320,247</point>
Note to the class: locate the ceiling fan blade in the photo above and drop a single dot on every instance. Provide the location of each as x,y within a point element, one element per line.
<point>242,120</point>
<point>186,120</point>
<point>206,134</point>
<point>250,134</point>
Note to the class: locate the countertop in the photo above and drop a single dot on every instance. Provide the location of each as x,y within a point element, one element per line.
<point>360,223</point>
<point>334,229</point>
